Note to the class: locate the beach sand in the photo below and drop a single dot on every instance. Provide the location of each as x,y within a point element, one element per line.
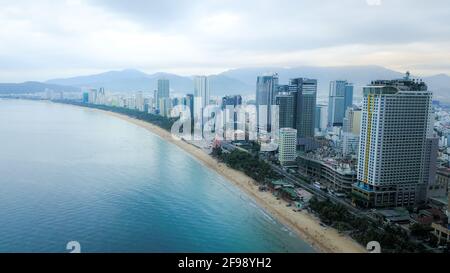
<point>307,226</point>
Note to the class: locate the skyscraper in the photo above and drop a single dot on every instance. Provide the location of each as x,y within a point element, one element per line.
<point>340,98</point>
<point>266,87</point>
<point>165,106</point>
<point>287,147</point>
<point>395,149</point>
<point>352,121</point>
<point>201,100</point>
<point>286,108</point>
<point>202,90</point>
<point>306,96</point>
<point>230,116</point>
<point>163,90</point>
<point>140,101</point>
<point>321,117</point>
<point>350,131</point>
<point>188,101</point>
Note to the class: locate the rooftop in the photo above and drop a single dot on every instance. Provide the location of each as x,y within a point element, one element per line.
<point>393,86</point>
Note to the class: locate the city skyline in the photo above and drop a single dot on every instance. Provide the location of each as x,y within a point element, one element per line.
<point>225,127</point>
<point>221,35</point>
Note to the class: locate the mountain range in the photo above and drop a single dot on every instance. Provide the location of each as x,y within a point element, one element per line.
<point>236,81</point>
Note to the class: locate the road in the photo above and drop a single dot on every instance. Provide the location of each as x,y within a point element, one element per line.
<point>304,185</point>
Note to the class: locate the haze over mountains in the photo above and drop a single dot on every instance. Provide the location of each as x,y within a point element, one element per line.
<point>237,81</point>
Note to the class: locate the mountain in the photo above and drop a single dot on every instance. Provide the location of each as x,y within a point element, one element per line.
<point>128,80</point>
<point>33,87</point>
<point>440,85</point>
<point>224,85</point>
<point>237,81</point>
<point>358,75</point>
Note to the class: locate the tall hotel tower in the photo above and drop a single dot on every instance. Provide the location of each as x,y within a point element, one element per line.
<point>397,154</point>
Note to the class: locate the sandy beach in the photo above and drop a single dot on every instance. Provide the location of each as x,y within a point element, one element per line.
<point>307,226</point>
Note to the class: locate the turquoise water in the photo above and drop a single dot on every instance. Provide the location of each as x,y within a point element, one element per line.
<point>69,173</point>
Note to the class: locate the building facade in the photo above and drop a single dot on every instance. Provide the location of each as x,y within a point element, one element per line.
<point>340,98</point>
<point>163,90</point>
<point>393,161</point>
<point>334,174</point>
<point>266,89</point>
<point>305,91</point>
<point>286,108</point>
<point>287,146</point>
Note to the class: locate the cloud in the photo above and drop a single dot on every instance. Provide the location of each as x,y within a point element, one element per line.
<point>53,38</point>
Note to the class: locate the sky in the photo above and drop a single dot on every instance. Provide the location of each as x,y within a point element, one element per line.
<point>45,39</point>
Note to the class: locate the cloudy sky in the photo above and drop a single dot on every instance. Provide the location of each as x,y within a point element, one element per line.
<point>44,39</point>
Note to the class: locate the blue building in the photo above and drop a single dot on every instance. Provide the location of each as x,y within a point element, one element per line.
<point>340,98</point>
<point>85,97</point>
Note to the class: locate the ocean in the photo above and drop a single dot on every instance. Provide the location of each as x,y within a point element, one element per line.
<point>73,174</point>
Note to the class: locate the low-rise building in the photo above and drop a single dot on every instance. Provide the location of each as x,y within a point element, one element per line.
<point>336,174</point>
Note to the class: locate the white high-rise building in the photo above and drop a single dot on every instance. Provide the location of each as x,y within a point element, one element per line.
<point>287,146</point>
<point>140,101</point>
<point>165,107</point>
<point>396,154</point>
<point>201,98</point>
<point>202,89</point>
<point>93,96</point>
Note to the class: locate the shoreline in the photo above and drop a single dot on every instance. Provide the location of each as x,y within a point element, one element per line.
<point>305,225</point>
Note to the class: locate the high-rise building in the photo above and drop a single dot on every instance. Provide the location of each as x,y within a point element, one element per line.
<point>188,101</point>
<point>306,96</point>
<point>231,100</point>
<point>163,90</point>
<point>321,117</point>
<point>287,146</point>
<point>202,90</point>
<point>352,121</point>
<point>165,106</point>
<point>93,96</point>
<point>350,131</point>
<point>340,98</point>
<point>266,88</point>
<point>395,150</point>
<point>286,108</point>
<point>101,96</point>
<point>140,101</point>
<point>282,88</point>
<point>85,97</point>
<point>155,99</point>
<point>201,100</point>
<point>230,116</point>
